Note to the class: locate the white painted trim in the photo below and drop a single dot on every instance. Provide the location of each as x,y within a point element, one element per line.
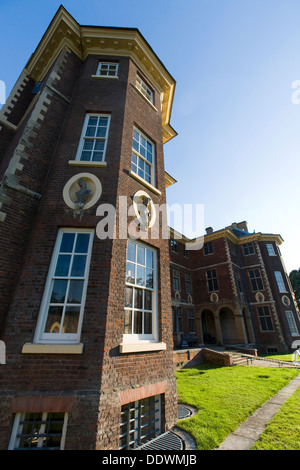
<point>141,347</point>
<point>144,182</point>
<point>83,163</point>
<point>32,348</point>
<point>85,176</point>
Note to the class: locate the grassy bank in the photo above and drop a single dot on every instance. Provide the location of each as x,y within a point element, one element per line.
<point>283,433</point>
<point>224,397</point>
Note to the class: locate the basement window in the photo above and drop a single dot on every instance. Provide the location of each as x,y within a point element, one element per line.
<point>38,431</point>
<point>140,422</point>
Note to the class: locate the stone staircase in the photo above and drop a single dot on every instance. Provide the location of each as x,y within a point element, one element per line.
<point>239,359</point>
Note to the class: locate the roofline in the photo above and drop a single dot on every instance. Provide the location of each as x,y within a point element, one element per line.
<point>65,32</point>
<point>227,232</point>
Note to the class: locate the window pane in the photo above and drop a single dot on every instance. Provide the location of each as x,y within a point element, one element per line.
<point>135,145</point>
<point>141,255</point>
<point>88,144</point>
<point>101,132</point>
<point>99,145</point>
<point>134,158</point>
<point>149,157</point>
<point>90,131</point>
<point>54,319</point>
<point>149,278</point>
<point>82,243</point>
<point>138,323</point>
<point>62,267</point>
<point>67,243</point>
<point>75,292</point>
<point>103,121</point>
<point>93,121</point>
<point>148,323</point>
<point>141,173</point>
<point>71,319</point>
<point>58,291</point>
<point>140,276</point>
<point>128,296</point>
<point>130,273</point>
<point>148,300</point>
<point>131,247</point>
<point>138,298</point>
<point>97,157</point>
<point>141,164</point>
<point>78,266</point>
<point>85,156</point>
<point>134,168</point>
<point>128,322</point>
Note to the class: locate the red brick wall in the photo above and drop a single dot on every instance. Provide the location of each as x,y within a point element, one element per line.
<point>101,372</point>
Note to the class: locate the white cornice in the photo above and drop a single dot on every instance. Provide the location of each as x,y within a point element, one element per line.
<point>227,232</point>
<point>64,31</point>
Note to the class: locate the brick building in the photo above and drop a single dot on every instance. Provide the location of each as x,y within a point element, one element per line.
<point>233,291</point>
<point>85,310</point>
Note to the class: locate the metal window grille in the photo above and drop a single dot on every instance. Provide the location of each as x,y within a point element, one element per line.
<point>39,431</point>
<point>140,422</point>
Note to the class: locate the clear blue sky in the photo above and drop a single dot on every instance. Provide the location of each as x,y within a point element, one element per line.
<point>234,61</point>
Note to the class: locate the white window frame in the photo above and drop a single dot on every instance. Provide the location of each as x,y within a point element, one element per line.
<point>142,160</point>
<point>62,338</point>
<point>291,323</point>
<point>132,337</point>
<point>84,137</point>
<point>17,429</point>
<point>270,249</point>
<point>280,282</point>
<point>144,89</point>
<point>111,67</point>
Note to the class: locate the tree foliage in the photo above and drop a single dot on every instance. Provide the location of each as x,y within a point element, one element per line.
<point>295,281</point>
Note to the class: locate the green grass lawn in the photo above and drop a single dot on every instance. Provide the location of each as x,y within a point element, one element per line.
<point>283,432</point>
<point>281,357</point>
<point>224,397</point>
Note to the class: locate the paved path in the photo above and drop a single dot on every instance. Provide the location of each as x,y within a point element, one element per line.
<point>251,429</point>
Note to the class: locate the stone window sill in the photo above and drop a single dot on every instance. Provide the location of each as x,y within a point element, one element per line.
<point>83,163</point>
<point>141,347</point>
<point>31,348</point>
<point>103,77</point>
<point>142,181</point>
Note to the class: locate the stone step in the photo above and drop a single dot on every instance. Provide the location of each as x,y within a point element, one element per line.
<point>239,359</point>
